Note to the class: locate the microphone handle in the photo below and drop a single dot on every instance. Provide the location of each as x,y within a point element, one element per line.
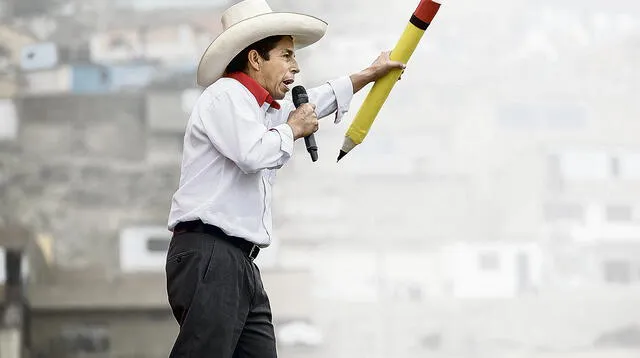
<point>300,97</point>
<point>312,148</point>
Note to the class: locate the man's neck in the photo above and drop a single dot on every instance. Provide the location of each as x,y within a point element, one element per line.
<point>257,77</point>
<point>258,91</point>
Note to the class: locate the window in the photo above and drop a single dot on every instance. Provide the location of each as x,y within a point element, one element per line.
<point>617,271</point>
<point>489,261</point>
<point>630,165</point>
<point>83,339</point>
<point>585,165</point>
<point>11,258</point>
<point>158,244</point>
<point>595,164</point>
<point>614,165</point>
<point>553,164</point>
<point>554,212</point>
<point>619,213</point>
<point>143,248</point>
<point>554,177</point>
<point>9,121</point>
<point>519,116</point>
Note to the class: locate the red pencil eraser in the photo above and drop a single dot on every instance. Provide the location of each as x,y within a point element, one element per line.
<point>426,10</point>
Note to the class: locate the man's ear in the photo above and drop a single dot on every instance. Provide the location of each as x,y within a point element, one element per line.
<point>255,61</point>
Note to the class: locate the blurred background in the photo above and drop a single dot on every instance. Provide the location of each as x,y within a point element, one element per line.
<point>492,212</point>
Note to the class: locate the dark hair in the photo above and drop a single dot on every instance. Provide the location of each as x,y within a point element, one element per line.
<point>264,46</point>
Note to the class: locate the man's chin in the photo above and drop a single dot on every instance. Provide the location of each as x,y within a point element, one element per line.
<point>280,96</point>
<point>285,89</point>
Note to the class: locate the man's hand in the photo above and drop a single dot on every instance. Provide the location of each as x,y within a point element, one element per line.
<point>383,64</point>
<point>380,67</point>
<point>303,121</point>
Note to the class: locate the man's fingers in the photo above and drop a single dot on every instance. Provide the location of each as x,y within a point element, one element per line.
<point>398,64</point>
<point>308,107</point>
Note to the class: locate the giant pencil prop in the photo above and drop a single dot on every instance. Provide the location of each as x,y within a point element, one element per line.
<point>420,20</point>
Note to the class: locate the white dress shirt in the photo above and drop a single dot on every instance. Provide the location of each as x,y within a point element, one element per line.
<point>235,139</point>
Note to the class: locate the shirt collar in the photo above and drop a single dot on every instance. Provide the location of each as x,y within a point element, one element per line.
<point>261,94</point>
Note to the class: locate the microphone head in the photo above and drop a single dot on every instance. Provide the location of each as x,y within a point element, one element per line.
<point>299,95</point>
<point>298,90</point>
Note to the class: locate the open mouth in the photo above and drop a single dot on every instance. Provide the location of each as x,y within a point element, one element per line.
<point>288,83</point>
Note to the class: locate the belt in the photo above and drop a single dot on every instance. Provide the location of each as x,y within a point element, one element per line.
<point>250,249</point>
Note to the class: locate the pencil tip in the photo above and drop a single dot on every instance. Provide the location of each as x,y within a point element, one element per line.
<point>341,155</point>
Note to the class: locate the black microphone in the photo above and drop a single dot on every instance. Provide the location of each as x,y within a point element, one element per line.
<point>300,97</point>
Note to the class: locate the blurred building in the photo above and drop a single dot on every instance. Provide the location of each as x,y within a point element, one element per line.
<point>490,210</point>
<point>11,43</point>
<point>142,5</point>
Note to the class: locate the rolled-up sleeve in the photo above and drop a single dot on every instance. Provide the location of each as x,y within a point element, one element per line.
<point>237,132</point>
<point>286,138</point>
<point>343,90</point>
<point>333,96</point>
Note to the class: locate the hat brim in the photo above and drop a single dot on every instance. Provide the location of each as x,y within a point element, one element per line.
<point>305,30</point>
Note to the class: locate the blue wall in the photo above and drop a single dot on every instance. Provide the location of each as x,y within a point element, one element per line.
<point>131,76</point>
<point>90,79</point>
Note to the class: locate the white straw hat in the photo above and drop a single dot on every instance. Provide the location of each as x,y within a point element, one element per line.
<point>250,21</point>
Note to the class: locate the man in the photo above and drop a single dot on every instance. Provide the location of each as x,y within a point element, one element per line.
<point>239,133</point>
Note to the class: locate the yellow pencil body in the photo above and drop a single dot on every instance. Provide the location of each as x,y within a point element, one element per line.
<point>381,89</point>
<point>406,45</point>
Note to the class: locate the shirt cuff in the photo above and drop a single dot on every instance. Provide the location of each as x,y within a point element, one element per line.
<point>343,90</point>
<point>286,138</point>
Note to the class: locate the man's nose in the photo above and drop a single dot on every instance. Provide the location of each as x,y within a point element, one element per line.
<point>295,69</point>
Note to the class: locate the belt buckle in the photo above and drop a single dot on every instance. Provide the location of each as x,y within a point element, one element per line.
<point>253,253</point>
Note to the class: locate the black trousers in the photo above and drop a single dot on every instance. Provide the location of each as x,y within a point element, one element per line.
<point>217,297</point>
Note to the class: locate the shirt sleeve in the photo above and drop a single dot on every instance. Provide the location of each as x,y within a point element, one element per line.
<point>236,131</point>
<point>333,96</point>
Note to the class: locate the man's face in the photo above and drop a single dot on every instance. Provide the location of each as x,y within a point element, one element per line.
<point>278,72</point>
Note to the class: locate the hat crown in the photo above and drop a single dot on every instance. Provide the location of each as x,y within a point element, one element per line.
<point>244,10</point>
